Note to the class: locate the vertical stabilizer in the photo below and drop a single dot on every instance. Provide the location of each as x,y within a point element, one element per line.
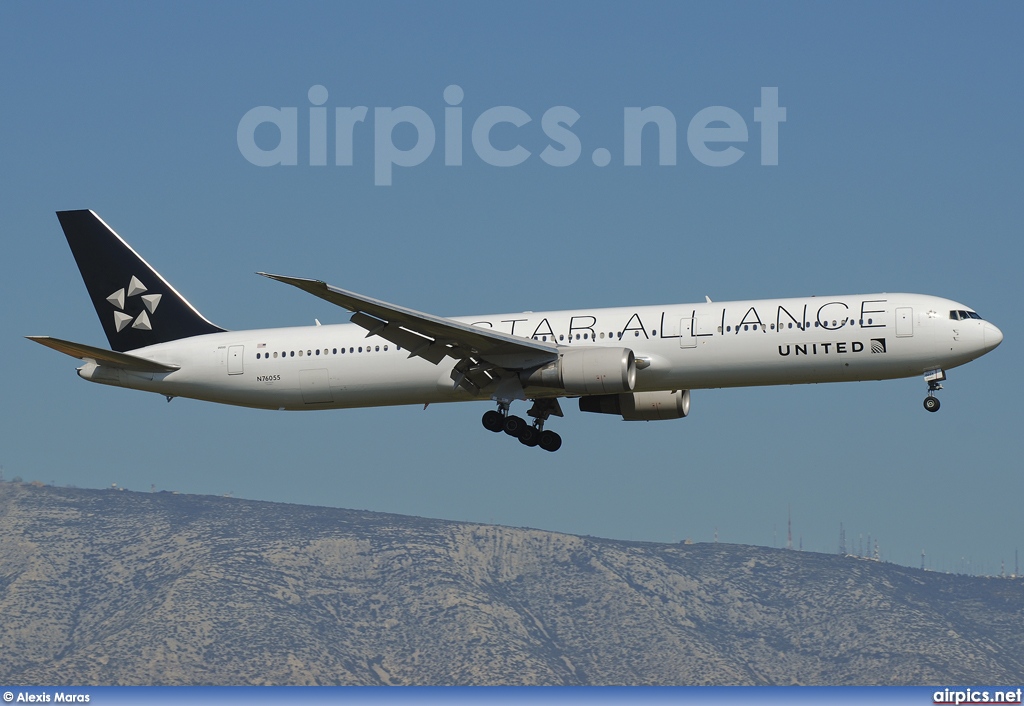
<point>137,307</point>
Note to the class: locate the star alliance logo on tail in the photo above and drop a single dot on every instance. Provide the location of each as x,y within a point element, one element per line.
<point>122,296</point>
<point>878,345</point>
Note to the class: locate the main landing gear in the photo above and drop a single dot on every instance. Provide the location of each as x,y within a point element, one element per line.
<point>529,435</point>
<point>933,378</point>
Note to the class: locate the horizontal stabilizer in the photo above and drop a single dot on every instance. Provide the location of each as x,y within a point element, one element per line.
<point>103,356</point>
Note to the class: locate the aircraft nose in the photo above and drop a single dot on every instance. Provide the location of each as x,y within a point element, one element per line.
<point>993,336</point>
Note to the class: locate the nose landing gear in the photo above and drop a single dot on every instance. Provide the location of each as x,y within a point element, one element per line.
<point>934,379</point>
<point>529,435</point>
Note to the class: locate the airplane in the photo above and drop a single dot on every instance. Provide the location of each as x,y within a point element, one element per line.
<point>639,363</point>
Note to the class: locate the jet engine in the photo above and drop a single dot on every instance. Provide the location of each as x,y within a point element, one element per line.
<point>640,406</point>
<point>588,371</point>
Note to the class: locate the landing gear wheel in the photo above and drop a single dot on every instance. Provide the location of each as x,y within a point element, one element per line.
<point>529,436</point>
<point>514,425</point>
<point>550,441</point>
<point>931,403</point>
<point>493,420</point>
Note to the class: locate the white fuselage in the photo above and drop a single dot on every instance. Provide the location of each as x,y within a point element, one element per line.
<point>681,347</point>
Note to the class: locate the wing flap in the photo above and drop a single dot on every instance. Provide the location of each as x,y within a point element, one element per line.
<point>103,356</point>
<point>417,345</point>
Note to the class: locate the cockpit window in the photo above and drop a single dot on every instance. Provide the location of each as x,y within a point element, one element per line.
<point>961,315</point>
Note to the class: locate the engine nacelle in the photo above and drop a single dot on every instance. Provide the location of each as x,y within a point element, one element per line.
<point>588,371</point>
<point>640,406</point>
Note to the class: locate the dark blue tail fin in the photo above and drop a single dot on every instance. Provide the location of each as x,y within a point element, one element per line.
<point>136,306</point>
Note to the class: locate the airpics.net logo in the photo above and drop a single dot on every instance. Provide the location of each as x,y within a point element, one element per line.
<point>715,136</point>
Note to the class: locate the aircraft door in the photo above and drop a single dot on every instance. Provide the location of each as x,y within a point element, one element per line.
<point>235,356</point>
<point>316,386</point>
<point>904,321</point>
<point>686,337</point>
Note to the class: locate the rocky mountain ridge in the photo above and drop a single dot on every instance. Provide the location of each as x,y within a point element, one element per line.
<point>101,587</point>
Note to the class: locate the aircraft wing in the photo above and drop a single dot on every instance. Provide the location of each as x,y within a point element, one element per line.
<point>103,356</point>
<point>428,336</point>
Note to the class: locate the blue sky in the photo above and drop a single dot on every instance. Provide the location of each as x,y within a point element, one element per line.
<point>900,169</point>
